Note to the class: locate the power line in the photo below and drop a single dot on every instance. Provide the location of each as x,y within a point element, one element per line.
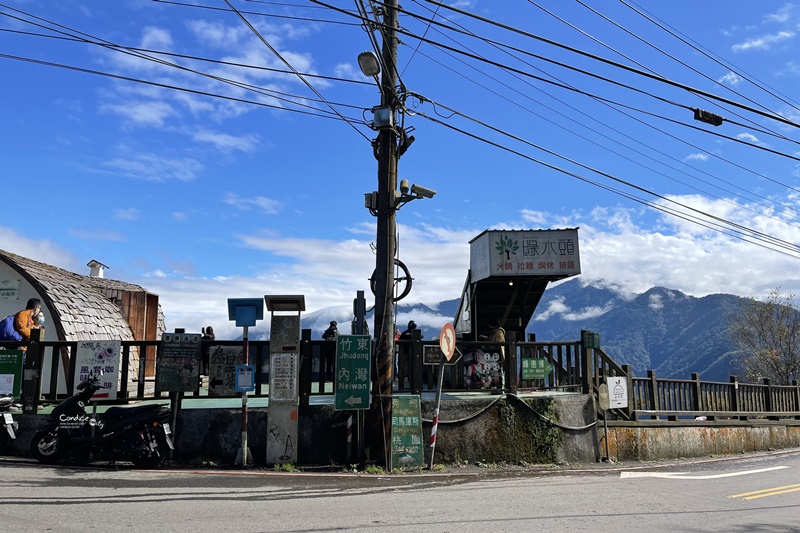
<point>693,90</point>
<point>320,113</point>
<point>256,13</point>
<point>604,174</point>
<point>591,117</point>
<point>285,62</point>
<point>183,56</point>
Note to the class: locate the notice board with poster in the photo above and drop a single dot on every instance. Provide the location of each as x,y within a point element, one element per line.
<point>11,373</point>
<point>179,362</point>
<point>407,449</point>
<point>223,361</point>
<point>98,358</point>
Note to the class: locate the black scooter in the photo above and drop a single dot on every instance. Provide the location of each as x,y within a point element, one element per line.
<point>140,434</point>
<point>8,431</point>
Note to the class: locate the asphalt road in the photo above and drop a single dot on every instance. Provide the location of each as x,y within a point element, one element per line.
<point>759,492</point>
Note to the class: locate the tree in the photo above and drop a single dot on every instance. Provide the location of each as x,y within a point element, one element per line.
<point>767,334</point>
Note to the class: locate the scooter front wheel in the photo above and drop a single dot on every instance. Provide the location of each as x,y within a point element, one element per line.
<point>47,447</point>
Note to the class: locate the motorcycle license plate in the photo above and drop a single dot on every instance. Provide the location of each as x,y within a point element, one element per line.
<point>167,430</point>
<point>8,418</point>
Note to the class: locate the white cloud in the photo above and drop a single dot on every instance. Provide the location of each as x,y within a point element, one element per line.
<point>226,143</point>
<point>750,138</point>
<point>152,113</point>
<point>130,213</point>
<point>267,205</point>
<point>153,167</point>
<point>762,43</point>
<point>731,78</point>
<point>696,157</point>
<point>655,302</point>
<point>782,15</point>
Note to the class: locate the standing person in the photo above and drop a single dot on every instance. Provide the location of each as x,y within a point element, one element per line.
<point>208,335</point>
<point>404,355</point>
<point>329,352</point>
<point>498,335</point>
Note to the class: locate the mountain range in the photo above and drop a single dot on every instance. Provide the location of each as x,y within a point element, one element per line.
<point>662,329</point>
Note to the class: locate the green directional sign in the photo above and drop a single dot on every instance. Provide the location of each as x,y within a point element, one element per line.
<point>352,385</point>
<point>407,447</point>
<point>535,368</point>
<point>10,372</point>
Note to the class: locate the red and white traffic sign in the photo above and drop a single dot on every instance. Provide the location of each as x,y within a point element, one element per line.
<point>447,340</point>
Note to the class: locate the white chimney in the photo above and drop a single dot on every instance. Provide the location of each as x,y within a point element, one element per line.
<point>96,268</point>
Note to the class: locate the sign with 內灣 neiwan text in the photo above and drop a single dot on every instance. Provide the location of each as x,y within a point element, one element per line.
<point>352,384</point>
<point>552,253</point>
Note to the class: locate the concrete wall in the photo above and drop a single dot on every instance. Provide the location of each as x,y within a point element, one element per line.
<point>669,441</point>
<point>542,429</point>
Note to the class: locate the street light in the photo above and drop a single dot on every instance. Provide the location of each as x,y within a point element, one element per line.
<point>369,64</point>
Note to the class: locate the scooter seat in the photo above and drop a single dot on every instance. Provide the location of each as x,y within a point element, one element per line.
<point>113,414</point>
<point>5,401</point>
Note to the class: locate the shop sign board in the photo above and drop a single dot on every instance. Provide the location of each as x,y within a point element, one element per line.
<point>517,253</point>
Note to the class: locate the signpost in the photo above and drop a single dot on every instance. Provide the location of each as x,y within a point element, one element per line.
<point>447,345</point>
<point>352,385</point>
<point>613,394</point>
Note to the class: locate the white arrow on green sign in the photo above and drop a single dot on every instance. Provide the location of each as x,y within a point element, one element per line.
<point>352,383</point>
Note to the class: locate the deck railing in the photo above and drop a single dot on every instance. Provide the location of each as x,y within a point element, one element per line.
<point>576,367</point>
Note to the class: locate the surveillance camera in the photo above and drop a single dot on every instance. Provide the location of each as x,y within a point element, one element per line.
<point>421,191</point>
<point>404,186</point>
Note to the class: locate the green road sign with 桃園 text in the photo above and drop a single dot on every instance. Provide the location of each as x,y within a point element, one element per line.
<point>535,368</point>
<point>407,448</point>
<point>352,385</point>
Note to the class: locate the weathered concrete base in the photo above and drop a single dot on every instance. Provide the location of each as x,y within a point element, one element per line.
<point>650,443</point>
<point>535,429</point>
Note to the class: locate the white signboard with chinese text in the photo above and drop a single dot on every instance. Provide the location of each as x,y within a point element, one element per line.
<point>9,289</point>
<point>95,356</point>
<point>551,253</point>
<point>617,393</point>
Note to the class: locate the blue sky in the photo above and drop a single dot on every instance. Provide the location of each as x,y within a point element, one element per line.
<point>245,183</point>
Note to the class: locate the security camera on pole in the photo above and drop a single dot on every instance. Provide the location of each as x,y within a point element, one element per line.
<point>383,204</point>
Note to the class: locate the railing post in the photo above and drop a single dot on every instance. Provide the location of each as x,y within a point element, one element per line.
<point>633,398</point>
<point>697,402</point>
<point>586,365</point>
<point>510,366</point>
<point>768,396</point>
<point>414,369</point>
<point>736,400</point>
<point>796,406</point>
<point>306,364</point>
<point>655,404</point>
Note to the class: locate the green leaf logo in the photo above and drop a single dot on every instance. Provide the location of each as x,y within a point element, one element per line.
<point>506,247</point>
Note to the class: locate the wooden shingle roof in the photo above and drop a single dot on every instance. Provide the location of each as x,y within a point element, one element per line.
<point>84,307</point>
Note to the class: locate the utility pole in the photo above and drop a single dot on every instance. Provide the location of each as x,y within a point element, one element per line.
<point>381,407</point>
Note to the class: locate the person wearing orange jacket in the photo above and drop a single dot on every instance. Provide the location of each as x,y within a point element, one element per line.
<point>27,319</point>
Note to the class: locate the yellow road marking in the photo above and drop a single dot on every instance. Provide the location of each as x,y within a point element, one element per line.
<point>767,492</point>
